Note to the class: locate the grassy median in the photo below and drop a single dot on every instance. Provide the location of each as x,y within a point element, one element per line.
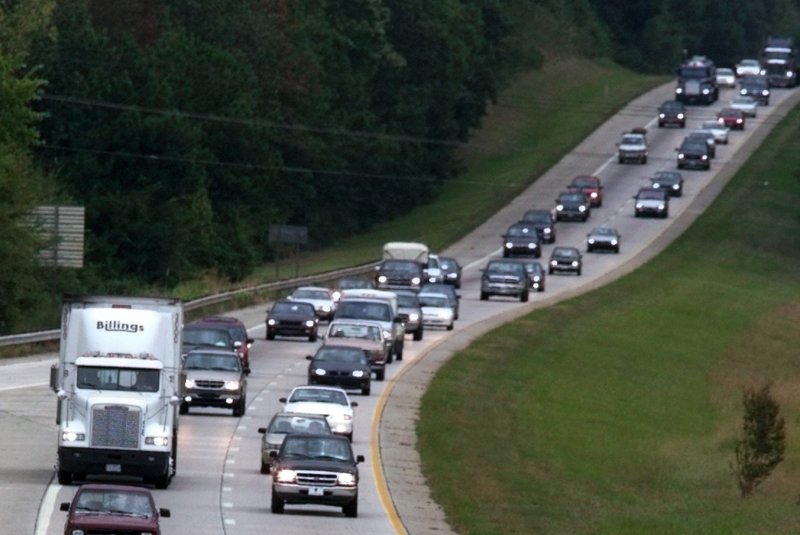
<point>616,412</point>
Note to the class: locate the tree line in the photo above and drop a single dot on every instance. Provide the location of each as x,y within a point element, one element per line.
<point>187,127</point>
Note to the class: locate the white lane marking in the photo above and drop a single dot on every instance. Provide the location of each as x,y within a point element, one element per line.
<point>227,489</point>
<point>227,505</point>
<point>230,521</point>
<point>46,509</point>
<point>6,388</point>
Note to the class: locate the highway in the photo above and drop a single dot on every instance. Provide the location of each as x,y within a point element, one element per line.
<point>218,488</point>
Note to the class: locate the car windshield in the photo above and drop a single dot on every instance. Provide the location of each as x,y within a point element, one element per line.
<point>407,301</point>
<point>354,284</point>
<point>408,266</point>
<point>571,197</point>
<point>661,175</point>
<point>284,307</point>
<point>672,106</point>
<point>725,72</point>
<point>209,361</point>
<point>651,194</point>
<point>318,395</point>
<point>364,310</point>
<point>207,336</point>
<point>124,379</point>
<point>565,252</point>
<point>632,140</point>
<point>749,63</point>
<point>503,268</point>
<point>433,262</point>
<point>435,301</point>
<point>520,232</point>
<point>584,182</point>
<point>665,179</point>
<point>302,447</point>
<point>311,294</point>
<point>285,424</point>
<point>448,264</point>
<point>114,502</point>
<point>603,232</point>
<point>355,330</point>
<point>340,354</point>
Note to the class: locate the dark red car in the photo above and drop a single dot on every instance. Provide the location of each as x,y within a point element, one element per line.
<point>101,508</point>
<point>590,186</point>
<point>732,118</point>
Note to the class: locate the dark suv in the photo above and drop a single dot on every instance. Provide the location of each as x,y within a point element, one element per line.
<point>410,312</point>
<point>290,318</point>
<point>544,223</point>
<point>672,112</point>
<point>241,340</point>
<point>398,274</point>
<point>756,87</point>
<point>694,154</point>
<point>522,239</point>
<point>572,206</point>
<point>505,277</point>
<point>315,469</point>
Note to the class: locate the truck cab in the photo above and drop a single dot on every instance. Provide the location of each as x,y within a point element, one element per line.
<point>697,81</point>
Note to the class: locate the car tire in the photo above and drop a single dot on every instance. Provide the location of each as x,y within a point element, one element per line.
<point>161,482</point>
<point>550,271</point>
<point>588,248</point>
<point>380,375</point>
<point>484,296</point>
<point>523,297</point>
<point>264,467</point>
<point>450,327</point>
<point>541,287</point>
<point>184,408</point>
<point>644,160</point>
<point>365,390</point>
<point>240,408</point>
<point>418,334</point>
<point>276,504</point>
<point>620,161</point>
<point>350,436</point>
<point>616,249</point>
<point>351,509</point>
<point>270,335</point>
<point>312,337</point>
<point>578,272</point>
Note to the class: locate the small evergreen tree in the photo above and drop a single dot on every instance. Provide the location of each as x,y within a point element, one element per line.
<point>760,448</point>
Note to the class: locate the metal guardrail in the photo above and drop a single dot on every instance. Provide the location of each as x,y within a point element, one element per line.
<point>52,335</point>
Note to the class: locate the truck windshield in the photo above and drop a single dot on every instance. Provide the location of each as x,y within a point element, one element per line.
<point>106,378</point>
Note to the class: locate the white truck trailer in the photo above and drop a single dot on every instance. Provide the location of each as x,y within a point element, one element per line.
<point>118,388</point>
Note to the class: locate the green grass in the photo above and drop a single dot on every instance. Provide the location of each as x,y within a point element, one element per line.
<point>616,412</point>
<point>537,120</point>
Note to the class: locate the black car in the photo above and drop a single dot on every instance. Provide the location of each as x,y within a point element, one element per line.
<point>522,239</point>
<point>566,259</point>
<point>399,275</point>
<point>505,277</point>
<point>756,86</point>
<point>238,331</point>
<point>672,112</point>
<point>544,222</point>
<point>315,469</point>
<point>651,201</point>
<point>708,137</point>
<point>451,270</point>
<point>453,296</point>
<point>694,154</point>
<point>343,366</point>
<point>572,206</point>
<point>290,318</point>
<point>671,181</point>
<point>536,273</point>
<point>409,311</point>
<point>603,238</point>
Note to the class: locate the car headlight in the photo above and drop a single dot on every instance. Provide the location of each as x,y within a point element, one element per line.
<point>358,373</point>
<point>156,441</point>
<point>71,436</point>
<point>190,383</point>
<point>536,278</point>
<point>346,480</point>
<point>591,240</point>
<point>678,90</point>
<point>705,156</point>
<point>532,245</point>
<point>319,371</point>
<point>559,207</point>
<point>789,73</point>
<point>452,275</point>
<point>681,156</point>
<point>706,91</point>
<point>739,120</point>
<point>325,308</point>
<point>231,385</point>
<point>548,230</point>
<point>743,91</point>
<point>661,206</point>
<point>387,335</point>
<point>656,185</point>
<point>286,476</point>
<point>347,417</point>
<point>765,92</point>
<point>310,323</point>
<point>271,322</point>
<point>661,115</point>
<point>680,116</point>
<point>613,242</point>
<point>509,245</point>
<point>675,186</point>
<point>593,195</point>
<point>415,281</point>
<point>638,206</point>
<point>581,208</point>
<point>413,317</point>
<point>382,279</point>
<point>554,262</point>
<point>574,263</point>
<point>336,295</point>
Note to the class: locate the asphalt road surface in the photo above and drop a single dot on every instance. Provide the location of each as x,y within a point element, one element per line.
<point>218,488</point>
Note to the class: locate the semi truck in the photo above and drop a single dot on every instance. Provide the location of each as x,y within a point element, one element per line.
<point>118,389</point>
<point>779,61</point>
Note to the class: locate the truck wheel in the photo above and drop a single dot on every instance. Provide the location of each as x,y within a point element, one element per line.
<point>276,506</point>
<point>351,509</point>
<point>64,477</point>
<point>264,467</point>
<point>418,334</point>
<point>161,482</point>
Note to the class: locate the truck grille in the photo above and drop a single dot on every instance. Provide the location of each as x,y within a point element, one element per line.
<point>209,384</point>
<point>316,479</point>
<point>115,426</point>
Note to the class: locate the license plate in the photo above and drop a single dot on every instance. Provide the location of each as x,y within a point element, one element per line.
<point>316,491</point>
<point>114,468</point>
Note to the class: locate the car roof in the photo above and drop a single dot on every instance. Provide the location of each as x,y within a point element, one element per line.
<point>212,350</point>
<point>114,487</point>
<point>219,319</point>
<point>315,288</point>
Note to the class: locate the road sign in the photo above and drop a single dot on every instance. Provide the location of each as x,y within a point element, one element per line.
<point>288,234</point>
<point>62,228</point>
